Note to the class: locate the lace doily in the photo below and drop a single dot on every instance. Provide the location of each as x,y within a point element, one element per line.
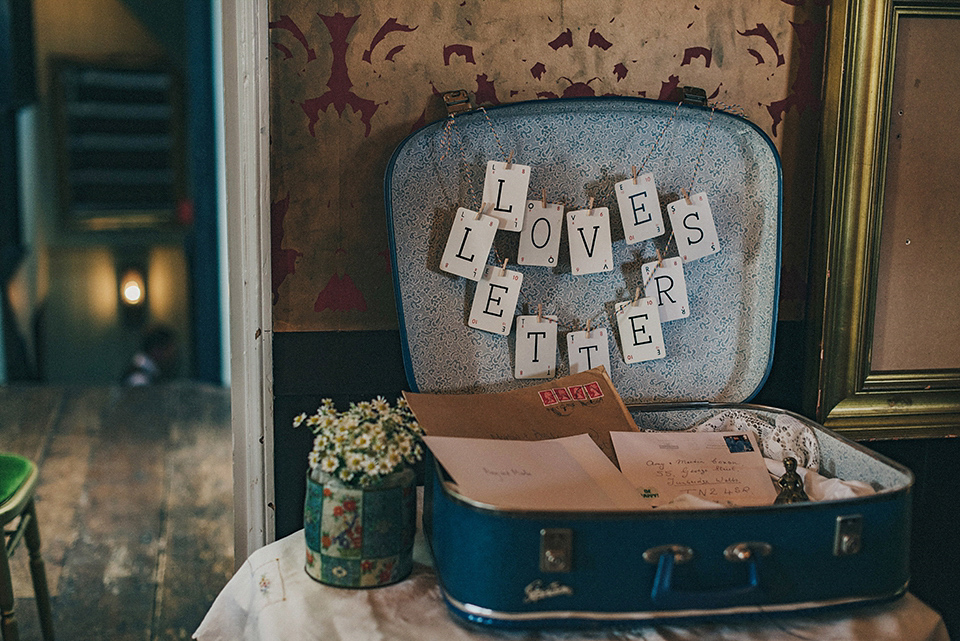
<point>786,437</point>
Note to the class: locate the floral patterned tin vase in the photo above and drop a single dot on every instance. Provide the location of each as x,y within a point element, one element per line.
<point>360,537</point>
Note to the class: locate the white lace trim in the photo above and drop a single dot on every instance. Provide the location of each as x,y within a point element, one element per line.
<point>786,437</point>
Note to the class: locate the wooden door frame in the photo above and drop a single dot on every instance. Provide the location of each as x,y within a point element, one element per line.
<point>247,165</point>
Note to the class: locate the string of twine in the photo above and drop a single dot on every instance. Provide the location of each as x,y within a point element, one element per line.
<point>446,145</point>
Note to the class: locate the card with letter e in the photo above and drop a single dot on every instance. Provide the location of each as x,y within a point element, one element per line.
<point>495,301</point>
<point>641,336</point>
<point>639,208</point>
<point>468,244</point>
<point>506,189</point>
<point>694,227</point>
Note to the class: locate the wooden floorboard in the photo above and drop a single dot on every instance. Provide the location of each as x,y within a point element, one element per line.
<point>134,503</point>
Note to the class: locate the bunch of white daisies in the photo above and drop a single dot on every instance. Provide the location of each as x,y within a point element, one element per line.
<point>365,443</point>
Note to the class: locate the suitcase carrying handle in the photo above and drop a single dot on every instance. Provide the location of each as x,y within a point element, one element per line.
<point>667,556</point>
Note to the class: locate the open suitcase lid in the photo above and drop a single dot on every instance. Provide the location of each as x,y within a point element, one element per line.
<point>578,148</point>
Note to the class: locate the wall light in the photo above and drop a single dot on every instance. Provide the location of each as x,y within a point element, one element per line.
<point>133,295</point>
<point>133,291</point>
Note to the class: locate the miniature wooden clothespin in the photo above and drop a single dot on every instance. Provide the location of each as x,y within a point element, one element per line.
<point>544,198</point>
<point>634,174</point>
<point>636,296</point>
<point>482,207</point>
<point>686,196</point>
<point>590,207</point>
<point>659,259</point>
<point>510,160</point>
<point>588,327</point>
<point>539,312</point>
<point>503,270</point>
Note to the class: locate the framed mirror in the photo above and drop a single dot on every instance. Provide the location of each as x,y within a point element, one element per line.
<point>885,312</point>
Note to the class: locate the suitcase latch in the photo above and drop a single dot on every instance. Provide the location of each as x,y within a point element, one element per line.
<point>849,535</point>
<point>457,102</point>
<point>556,550</point>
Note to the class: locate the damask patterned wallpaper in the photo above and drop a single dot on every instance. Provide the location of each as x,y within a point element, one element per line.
<point>349,80</point>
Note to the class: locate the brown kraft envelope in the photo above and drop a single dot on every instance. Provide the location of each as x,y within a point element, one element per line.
<point>584,403</point>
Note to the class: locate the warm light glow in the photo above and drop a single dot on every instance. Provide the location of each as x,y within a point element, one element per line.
<point>132,293</point>
<point>132,288</point>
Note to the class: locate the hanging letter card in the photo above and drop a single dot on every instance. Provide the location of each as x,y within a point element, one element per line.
<point>588,233</point>
<point>496,300</point>
<point>641,337</point>
<point>586,350</point>
<point>468,245</point>
<point>536,353</point>
<point>666,285</point>
<point>639,209</point>
<point>693,227</point>
<point>507,190</point>
<point>540,237</point>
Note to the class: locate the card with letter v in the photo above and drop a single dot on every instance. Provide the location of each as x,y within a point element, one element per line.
<point>468,244</point>
<point>495,301</point>
<point>588,234</point>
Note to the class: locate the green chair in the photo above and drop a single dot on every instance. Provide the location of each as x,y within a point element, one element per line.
<point>18,480</point>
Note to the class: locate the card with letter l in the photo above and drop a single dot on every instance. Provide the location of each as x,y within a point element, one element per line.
<point>506,188</point>
<point>468,244</point>
<point>694,227</point>
<point>536,351</point>
<point>588,234</point>
<point>641,336</point>
<point>495,301</point>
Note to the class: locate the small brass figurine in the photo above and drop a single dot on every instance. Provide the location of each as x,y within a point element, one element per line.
<point>791,484</point>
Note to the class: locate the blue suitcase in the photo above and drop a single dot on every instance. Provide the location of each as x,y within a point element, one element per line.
<point>525,569</point>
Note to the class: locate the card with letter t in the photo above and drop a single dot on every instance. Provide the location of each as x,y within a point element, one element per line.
<point>586,350</point>
<point>536,353</point>
<point>495,301</point>
<point>693,227</point>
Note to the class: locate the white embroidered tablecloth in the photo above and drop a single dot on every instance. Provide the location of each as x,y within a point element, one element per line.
<point>271,598</point>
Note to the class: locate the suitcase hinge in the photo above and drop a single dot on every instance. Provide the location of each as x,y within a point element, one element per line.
<point>457,102</point>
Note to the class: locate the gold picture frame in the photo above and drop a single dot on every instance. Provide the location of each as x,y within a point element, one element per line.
<point>847,390</point>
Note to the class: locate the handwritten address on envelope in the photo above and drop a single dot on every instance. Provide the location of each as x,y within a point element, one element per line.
<point>722,467</point>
